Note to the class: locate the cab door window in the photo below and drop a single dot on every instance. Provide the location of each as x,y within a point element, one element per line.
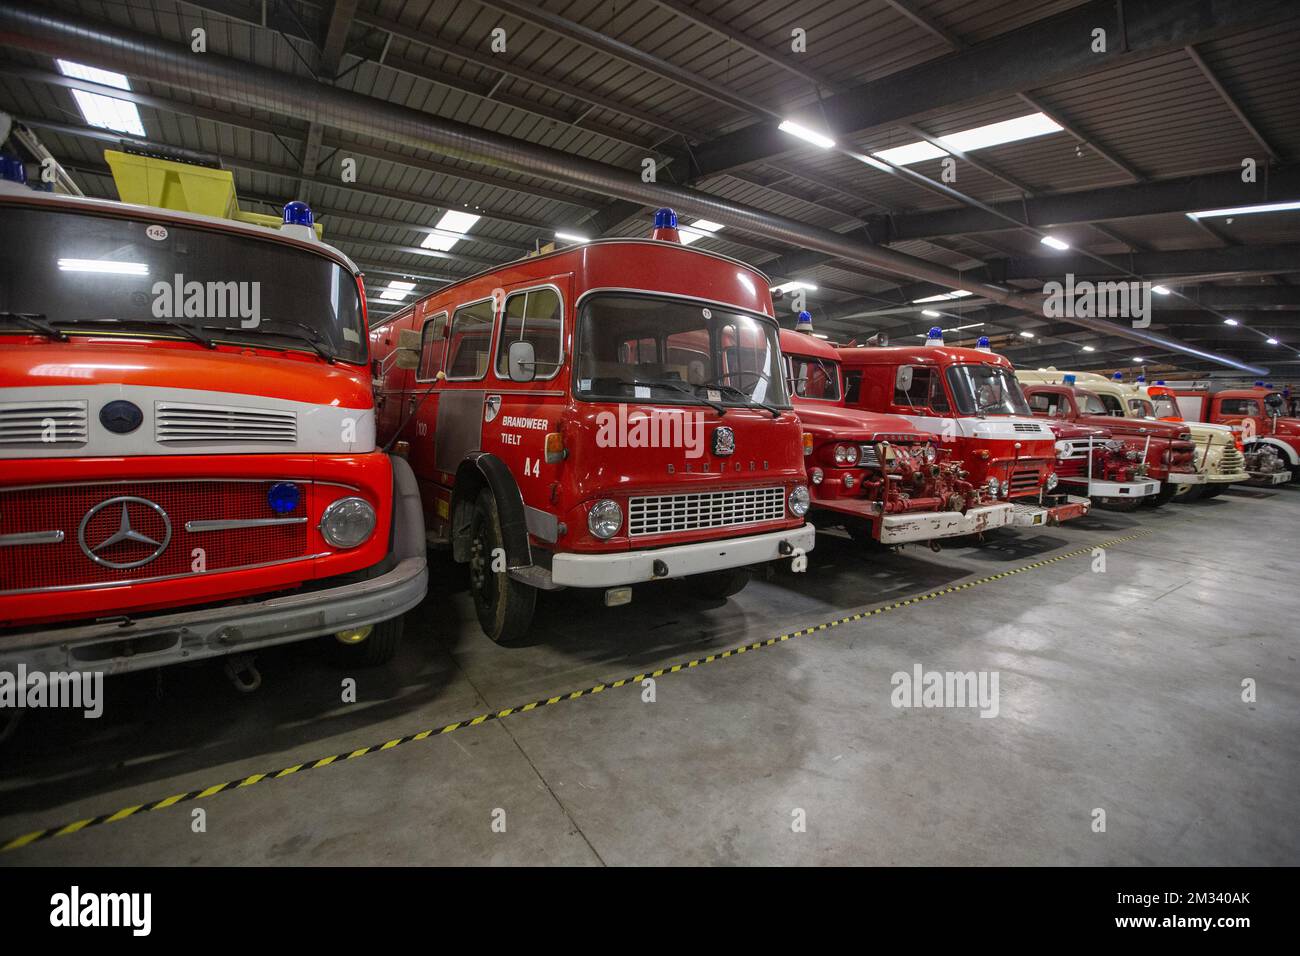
<point>470,342</point>
<point>924,392</point>
<point>1239,406</point>
<point>532,316</point>
<point>1051,404</point>
<point>433,345</point>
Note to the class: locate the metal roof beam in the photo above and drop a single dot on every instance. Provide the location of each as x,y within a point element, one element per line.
<point>1230,101</point>
<point>1271,259</point>
<point>1039,54</point>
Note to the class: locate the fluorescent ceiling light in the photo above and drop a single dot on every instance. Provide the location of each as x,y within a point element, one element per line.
<point>571,237</point>
<point>791,286</point>
<point>1230,322</point>
<point>1138,359</point>
<point>819,335</point>
<point>1244,210</point>
<point>804,133</point>
<point>1026,335</point>
<point>104,266</point>
<point>397,291</point>
<point>959,294</point>
<point>931,314</point>
<point>910,153</point>
<point>454,221</point>
<point>1089,348</point>
<point>1272,341</point>
<point>103,77</point>
<point>1054,243</point>
<point>955,328</point>
<point>699,229</point>
<point>105,112</point>
<point>1007,131</point>
<point>980,137</point>
<point>1159,290</point>
<point>440,241</point>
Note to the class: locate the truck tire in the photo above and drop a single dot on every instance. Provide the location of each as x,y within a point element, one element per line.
<point>504,606</point>
<point>1161,497</point>
<point>1213,491</point>
<point>1195,493</point>
<point>379,648</point>
<point>718,585</point>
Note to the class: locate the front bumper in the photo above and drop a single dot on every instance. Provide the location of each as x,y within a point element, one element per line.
<point>147,642</point>
<point>927,525</point>
<point>1267,478</point>
<point>1226,478</point>
<point>1186,478</point>
<point>1036,515</point>
<point>634,567</point>
<point>1120,489</point>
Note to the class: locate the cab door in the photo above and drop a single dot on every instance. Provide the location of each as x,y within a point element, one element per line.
<point>389,380</point>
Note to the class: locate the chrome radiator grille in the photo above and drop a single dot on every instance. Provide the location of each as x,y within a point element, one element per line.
<point>662,514</point>
<point>182,422</point>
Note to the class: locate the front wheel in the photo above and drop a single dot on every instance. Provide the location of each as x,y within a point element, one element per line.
<point>719,585</point>
<point>504,606</point>
<point>1161,497</point>
<point>1195,493</point>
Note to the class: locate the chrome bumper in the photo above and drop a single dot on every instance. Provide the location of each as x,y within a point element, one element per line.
<point>927,525</point>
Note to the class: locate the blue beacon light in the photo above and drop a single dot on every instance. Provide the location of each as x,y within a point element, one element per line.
<point>283,497</point>
<point>12,169</point>
<point>805,322</point>
<point>298,213</point>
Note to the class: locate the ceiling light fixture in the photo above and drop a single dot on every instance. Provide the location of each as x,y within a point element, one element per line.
<point>959,294</point>
<point>105,112</point>
<point>571,237</point>
<point>1244,210</point>
<point>1054,243</point>
<point>1231,322</point>
<point>965,141</point>
<point>806,134</point>
<point>104,267</point>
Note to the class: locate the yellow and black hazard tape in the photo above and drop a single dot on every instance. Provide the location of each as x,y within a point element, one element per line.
<point>126,812</point>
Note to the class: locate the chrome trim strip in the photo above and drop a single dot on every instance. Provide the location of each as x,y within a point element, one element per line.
<point>31,537</point>
<point>175,481</point>
<point>216,524</point>
<point>167,577</point>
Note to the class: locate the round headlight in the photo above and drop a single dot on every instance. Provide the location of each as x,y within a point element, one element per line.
<point>605,518</point>
<point>1052,480</point>
<point>993,487</point>
<point>347,522</point>
<point>815,475</point>
<point>799,500</point>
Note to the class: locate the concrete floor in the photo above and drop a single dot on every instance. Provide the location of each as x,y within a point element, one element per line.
<point>1118,690</point>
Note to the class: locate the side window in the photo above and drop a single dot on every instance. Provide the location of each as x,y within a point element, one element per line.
<point>1239,406</point>
<point>1113,405</point>
<point>433,345</point>
<point>532,316</point>
<point>470,341</point>
<point>1044,403</point>
<point>926,391</point>
<point>852,386</point>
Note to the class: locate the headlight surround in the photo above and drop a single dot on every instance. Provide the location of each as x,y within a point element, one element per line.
<point>1052,480</point>
<point>993,487</point>
<point>799,500</point>
<point>605,518</point>
<point>815,475</point>
<point>846,455</point>
<point>347,522</point>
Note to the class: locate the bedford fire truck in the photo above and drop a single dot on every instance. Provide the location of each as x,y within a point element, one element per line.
<point>1216,461</point>
<point>598,416</point>
<point>968,398</point>
<point>188,437</point>
<point>877,476</point>
<point>1260,418</point>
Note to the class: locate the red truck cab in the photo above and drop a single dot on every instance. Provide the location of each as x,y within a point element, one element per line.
<point>1259,417</point>
<point>188,442</point>
<point>970,401</point>
<point>878,476</point>
<point>1163,449</point>
<point>598,416</point>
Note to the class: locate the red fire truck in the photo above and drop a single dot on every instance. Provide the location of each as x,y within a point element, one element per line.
<point>970,400</point>
<point>878,476</point>
<point>188,441</point>
<point>598,416</point>
<point>1260,418</point>
<point>1091,461</point>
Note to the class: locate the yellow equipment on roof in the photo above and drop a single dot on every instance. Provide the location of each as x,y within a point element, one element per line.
<point>184,187</point>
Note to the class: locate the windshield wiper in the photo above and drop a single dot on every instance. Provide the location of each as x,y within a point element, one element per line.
<point>312,338</point>
<point>36,322</point>
<point>179,327</point>
<point>749,399</point>
<point>685,390</point>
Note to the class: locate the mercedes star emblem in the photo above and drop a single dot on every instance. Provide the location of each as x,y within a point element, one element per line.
<point>126,532</point>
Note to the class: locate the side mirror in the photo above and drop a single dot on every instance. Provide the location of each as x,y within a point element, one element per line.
<point>903,378</point>
<point>407,354</point>
<point>522,361</point>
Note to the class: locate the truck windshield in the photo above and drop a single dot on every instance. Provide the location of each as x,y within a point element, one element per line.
<point>986,390</point>
<point>1165,407</point>
<point>639,347</point>
<point>81,273</point>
